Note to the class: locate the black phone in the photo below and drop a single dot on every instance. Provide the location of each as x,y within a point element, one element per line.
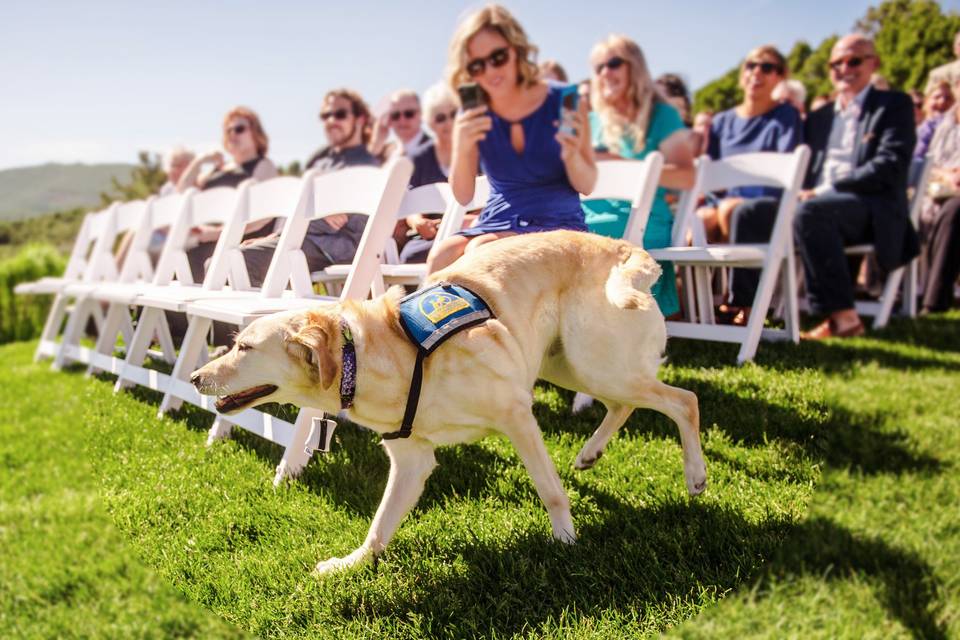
<point>471,95</point>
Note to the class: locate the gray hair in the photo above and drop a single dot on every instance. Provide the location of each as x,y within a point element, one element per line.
<point>438,94</point>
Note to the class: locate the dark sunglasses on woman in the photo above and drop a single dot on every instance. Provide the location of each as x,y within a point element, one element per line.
<point>766,68</point>
<point>339,114</point>
<point>496,59</point>
<point>237,129</point>
<point>440,118</point>
<point>408,114</point>
<point>613,64</point>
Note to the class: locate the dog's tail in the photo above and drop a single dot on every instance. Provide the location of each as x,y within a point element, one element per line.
<point>628,286</point>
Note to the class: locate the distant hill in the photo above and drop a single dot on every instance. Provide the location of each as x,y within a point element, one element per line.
<point>26,192</point>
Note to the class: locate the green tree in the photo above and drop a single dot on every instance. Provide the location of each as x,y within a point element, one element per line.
<point>145,180</point>
<point>292,169</point>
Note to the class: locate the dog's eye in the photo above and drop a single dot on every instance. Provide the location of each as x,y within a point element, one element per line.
<point>242,346</point>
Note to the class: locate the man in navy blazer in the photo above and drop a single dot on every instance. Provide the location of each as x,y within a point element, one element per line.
<point>855,190</point>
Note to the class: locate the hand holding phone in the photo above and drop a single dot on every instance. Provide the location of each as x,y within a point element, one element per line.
<point>472,123</point>
<point>471,96</point>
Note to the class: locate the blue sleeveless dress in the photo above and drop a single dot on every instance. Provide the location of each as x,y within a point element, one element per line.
<point>530,191</point>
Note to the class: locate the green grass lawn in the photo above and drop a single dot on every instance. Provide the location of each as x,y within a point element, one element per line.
<point>833,510</point>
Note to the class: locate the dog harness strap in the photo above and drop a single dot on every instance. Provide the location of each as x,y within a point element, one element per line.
<point>429,317</point>
<point>348,375</point>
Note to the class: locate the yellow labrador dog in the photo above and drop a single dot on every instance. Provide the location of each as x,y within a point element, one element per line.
<point>572,308</point>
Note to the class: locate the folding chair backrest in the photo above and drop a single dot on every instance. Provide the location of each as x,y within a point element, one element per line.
<point>427,198</point>
<point>161,213</point>
<point>91,227</point>
<point>119,219</point>
<point>631,180</point>
<point>372,191</point>
<point>452,220</point>
<point>686,219</point>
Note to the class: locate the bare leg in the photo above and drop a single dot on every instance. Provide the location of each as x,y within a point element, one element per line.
<point>445,253</point>
<point>411,461</point>
<point>478,241</point>
<point>617,414</point>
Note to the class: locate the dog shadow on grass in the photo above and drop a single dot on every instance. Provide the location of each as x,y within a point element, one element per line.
<point>637,560</point>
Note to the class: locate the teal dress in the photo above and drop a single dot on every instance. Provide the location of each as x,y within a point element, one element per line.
<point>609,217</point>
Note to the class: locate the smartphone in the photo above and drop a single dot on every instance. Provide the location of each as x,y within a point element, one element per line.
<point>471,95</point>
<point>569,99</point>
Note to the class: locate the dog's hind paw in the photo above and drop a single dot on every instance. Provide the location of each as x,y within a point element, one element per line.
<point>582,462</point>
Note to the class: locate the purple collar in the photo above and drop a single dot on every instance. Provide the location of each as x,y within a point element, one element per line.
<point>348,376</point>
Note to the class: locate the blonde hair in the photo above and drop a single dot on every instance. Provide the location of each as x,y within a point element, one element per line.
<point>438,94</point>
<point>259,135</point>
<point>773,52</point>
<point>492,17</point>
<point>641,93</point>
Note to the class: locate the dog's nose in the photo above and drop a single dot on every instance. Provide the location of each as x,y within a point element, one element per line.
<point>196,379</point>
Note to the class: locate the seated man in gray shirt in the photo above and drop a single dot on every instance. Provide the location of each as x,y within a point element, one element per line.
<point>334,239</point>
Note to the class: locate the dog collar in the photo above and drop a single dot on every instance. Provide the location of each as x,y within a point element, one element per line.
<point>348,375</point>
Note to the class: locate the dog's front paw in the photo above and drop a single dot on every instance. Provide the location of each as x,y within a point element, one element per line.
<point>696,479</point>
<point>332,565</point>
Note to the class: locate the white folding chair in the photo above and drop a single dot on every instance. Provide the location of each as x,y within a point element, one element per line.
<point>375,192</point>
<point>431,198</point>
<point>122,218</point>
<point>775,258</point>
<point>226,275</point>
<point>136,274</point>
<point>906,275</point>
<point>84,262</point>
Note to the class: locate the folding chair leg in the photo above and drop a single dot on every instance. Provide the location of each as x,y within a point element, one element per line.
<point>71,335</point>
<point>689,293</point>
<point>52,326</point>
<point>910,290</point>
<point>791,298</point>
<point>117,315</point>
<point>193,342</point>
<point>127,329</point>
<point>761,304</point>
<point>138,346</point>
<point>701,278</point>
<point>889,296</point>
<point>165,339</point>
<point>294,457</point>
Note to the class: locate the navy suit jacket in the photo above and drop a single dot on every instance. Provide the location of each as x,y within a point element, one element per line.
<point>884,143</point>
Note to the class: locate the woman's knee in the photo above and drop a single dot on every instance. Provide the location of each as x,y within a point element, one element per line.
<point>479,241</point>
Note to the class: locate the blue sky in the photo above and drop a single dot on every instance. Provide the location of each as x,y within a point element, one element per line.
<point>96,81</point>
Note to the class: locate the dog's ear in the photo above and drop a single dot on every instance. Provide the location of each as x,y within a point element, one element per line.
<point>312,346</point>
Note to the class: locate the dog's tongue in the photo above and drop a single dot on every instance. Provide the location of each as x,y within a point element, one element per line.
<point>245,397</point>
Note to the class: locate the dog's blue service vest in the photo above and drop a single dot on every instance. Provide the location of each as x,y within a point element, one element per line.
<point>429,317</point>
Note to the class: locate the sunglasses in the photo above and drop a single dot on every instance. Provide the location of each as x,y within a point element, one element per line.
<point>237,129</point>
<point>339,114</point>
<point>852,62</point>
<point>766,68</point>
<point>407,114</point>
<point>440,118</point>
<point>613,64</point>
<point>496,59</point>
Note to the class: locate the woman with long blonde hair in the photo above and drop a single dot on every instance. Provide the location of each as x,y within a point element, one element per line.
<point>629,120</point>
<point>537,170</point>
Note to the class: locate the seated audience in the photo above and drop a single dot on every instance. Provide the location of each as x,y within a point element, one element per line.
<point>820,101</point>
<point>855,190</point>
<point>940,216</point>
<point>674,89</point>
<point>403,119</point>
<point>551,70</point>
<point>431,165</point>
<point>333,239</point>
<point>793,93</point>
<point>938,101</point>
<point>631,119</point>
<point>245,140</point>
<point>759,123</point>
<point>700,134</point>
<point>175,163</point>
<point>949,72</point>
<point>535,170</point>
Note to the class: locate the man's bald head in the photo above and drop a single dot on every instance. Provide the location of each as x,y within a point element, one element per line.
<point>853,60</point>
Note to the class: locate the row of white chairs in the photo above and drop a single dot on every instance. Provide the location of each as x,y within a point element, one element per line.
<point>92,283</point>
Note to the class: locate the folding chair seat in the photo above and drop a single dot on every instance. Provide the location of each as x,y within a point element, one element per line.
<point>775,258</point>
<point>904,279</point>
<point>375,192</point>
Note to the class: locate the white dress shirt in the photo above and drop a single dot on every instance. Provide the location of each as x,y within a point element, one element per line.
<point>839,162</point>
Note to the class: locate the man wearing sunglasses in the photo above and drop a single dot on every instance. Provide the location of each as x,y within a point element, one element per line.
<point>403,117</point>
<point>855,190</point>
<point>333,239</point>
